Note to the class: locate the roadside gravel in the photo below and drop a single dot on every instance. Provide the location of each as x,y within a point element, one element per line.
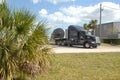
<point>78,49</point>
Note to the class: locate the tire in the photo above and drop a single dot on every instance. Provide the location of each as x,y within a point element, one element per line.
<point>63,44</point>
<point>58,43</point>
<point>87,45</point>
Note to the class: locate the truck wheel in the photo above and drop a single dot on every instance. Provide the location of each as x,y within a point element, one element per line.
<point>87,45</point>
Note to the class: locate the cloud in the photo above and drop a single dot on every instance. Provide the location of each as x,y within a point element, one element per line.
<point>57,1</point>
<point>52,1</point>
<point>111,11</point>
<point>43,12</point>
<point>35,1</point>
<point>81,14</point>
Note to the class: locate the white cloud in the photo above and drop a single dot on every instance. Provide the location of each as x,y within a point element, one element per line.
<point>35,1</point>
<point>111,11</point>
<point>57,1</point>
<point>43,12</point>
<point>52,1</point>
<point>59,17</point>
<point>81,14</point>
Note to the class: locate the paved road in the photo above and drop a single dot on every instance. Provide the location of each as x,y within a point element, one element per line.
<point>76,49</point>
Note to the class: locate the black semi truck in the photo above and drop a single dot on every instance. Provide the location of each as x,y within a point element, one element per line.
<point>74,35</point>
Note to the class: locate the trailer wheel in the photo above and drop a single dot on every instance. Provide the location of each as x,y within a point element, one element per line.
<point>56,43</point>
<point>62,43</point>
<point>87,45</point>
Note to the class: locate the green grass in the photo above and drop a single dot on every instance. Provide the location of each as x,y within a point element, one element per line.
<point>105,44</point>
<point>84,67</point>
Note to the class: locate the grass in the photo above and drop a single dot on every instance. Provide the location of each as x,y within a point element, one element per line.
<point>105,44</point>
<point>84,67</point>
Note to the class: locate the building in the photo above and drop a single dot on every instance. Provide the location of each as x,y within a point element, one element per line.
<point>109,30</point>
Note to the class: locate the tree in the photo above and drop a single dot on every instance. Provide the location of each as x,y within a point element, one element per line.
<point>91,26</point>
<point>23,45</point>
<point>86,27</point>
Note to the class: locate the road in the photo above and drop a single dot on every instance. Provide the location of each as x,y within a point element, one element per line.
<point>76,49</point>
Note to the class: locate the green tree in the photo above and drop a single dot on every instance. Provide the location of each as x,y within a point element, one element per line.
<point>86,27</point>
<point>93,25</point>
<point>23,45</point>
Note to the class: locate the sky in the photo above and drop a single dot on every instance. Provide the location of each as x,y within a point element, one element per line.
<point>62,13</point>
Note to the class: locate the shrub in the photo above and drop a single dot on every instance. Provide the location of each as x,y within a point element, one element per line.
<point>23,45</point>
<point>112,41</point>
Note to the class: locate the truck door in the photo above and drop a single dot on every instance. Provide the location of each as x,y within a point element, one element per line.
<point>81,37</point>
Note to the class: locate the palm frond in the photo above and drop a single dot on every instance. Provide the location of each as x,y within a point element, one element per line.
<point>21,41</point>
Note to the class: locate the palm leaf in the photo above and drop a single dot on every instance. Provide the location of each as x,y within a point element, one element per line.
<point>21,41</point>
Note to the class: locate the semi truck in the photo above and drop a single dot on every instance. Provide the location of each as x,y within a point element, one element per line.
<point>74,35</point>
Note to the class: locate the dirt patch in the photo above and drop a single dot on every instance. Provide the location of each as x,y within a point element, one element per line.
<point>79,49</point>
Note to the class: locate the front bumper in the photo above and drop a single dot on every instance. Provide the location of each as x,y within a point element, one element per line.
<point>94,45</point>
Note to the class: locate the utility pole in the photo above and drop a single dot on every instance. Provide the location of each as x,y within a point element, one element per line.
<point>100,21</point>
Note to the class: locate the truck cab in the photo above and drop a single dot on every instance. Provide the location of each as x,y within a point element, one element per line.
<point>78,36</point>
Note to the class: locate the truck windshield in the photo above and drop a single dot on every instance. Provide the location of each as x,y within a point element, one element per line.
<point>88,33</point>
